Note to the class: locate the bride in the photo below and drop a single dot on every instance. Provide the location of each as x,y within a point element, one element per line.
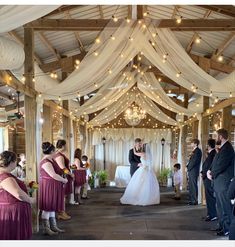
<point>143,188</point>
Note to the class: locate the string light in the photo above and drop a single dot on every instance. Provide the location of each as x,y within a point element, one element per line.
<point>197,105</point>
<point>76,66</point>
<point>128,20</point>
<point>122,55</point>
<point>169,91</point>
<point>211,94</point>
<point>10,78</point>
<point>154,35</point>
<point>198,40</point>
<point>145,14</point>
<point>139,58</point>
<point>96,53</point>
<point>220,58</point>
<point>96,85</point>
<point>78,95</point>
<point>130,38</point>
<point>139,21</point>
<point>179,19</point>
<point>216,99</point>
<point>144,26</point>
<point>115,19</point>
<point>97,40</point>
<point>112,37</point>
<point>40,95</point>
<point>53,75</point>
<point>23,79</point>
<point>77,61</point>
<point>178,74</point>
<point>165,56</point>
<point>59,99</point>
<point>159,79</point>
<point>153,44</point>
<point>164,60</point>
<point>230,95</point>
<point>110,71</point>
<point>150,67</point>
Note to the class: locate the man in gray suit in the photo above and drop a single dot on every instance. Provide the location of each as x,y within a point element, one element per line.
<point>193,171</point>
<point>222,172</point>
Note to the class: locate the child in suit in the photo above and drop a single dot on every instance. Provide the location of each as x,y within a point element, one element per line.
<point>178,179</point>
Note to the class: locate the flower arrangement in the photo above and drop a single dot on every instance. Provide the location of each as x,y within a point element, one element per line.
<point>32,186</point>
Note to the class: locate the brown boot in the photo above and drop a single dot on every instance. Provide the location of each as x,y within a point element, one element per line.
<point>63,216</point>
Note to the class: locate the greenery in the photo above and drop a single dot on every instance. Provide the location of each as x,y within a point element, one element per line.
<point>101,175</point>
<point>163,175</point>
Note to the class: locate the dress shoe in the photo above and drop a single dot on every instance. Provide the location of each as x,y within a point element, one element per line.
<point>192,203</point>
<point>214,218</point>
<point>222,233</point>
<point>218,229</point>
<point>85,197</point>
<point>208,218</point>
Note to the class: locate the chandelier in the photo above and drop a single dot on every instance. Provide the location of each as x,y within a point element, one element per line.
<point>134,115</point>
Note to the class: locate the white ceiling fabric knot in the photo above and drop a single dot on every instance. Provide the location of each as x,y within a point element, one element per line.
<point>14,16</point>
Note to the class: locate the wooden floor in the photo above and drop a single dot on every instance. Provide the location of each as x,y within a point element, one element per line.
<point>102,217</point>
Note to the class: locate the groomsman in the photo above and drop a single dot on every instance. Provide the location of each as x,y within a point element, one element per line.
<point>222,172</point>
<point>209,192</point>
<point>193,171</point>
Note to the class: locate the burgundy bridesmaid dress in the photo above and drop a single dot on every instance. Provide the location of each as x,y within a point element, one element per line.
<point>51,191</point>
<point>68,186</point>
<point>79,177</point>
<point>15,215</point>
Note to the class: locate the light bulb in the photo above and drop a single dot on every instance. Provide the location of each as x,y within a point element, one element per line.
<point>178,74</point>
<point>96,53</point>
<point>23,79</point>
<point>179,20</point>
<point>77,61</point>
<point>128,20</point>
<point>130,38</point>
<point>150,67</point>
<point>97,40</point>
<point>220,58</point>
<point>198,40</point>
<point>211,94</point>
<point>144,26</point>
<point>153,44</point>
<point>122,55</point>
<point>230,95</point>
<point>159,79</point>
<point>112,37</point>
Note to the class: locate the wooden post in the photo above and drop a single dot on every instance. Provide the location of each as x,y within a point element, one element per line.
<point>195,129</point>
<point>30,118</point>
<point>47,124</point>
<point>227,119</point>
<point>184,146</point>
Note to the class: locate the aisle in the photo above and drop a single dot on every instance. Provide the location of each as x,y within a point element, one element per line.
<point>103,218</point>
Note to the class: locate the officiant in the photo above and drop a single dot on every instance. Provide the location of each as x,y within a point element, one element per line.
<point>134,159</point>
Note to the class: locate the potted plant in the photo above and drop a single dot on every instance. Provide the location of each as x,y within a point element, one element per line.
<point>163,176</point>
<point>103,175</point>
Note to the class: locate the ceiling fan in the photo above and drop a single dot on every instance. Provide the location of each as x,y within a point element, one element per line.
<point>18,114</point>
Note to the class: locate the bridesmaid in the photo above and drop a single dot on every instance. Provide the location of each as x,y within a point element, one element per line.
<point>80,176</point>
<point>15,208</point>
<point>51,190</point>
<point>63,163</point>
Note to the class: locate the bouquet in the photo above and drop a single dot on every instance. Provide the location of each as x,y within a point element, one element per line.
<point>73,167</point>
<point>32,186</point>
<point>66,171</point>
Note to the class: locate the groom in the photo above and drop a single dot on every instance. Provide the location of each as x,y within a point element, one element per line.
<point>134,159</point>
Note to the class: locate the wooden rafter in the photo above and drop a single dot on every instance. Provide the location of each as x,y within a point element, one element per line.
<point>48,44</point>
<point>100,24</point>
<point>80,44</point>
<point>190,44</point>
<point>101,11</point>
<point>62,9</point>
<point>129,12</point>
<point>223,46</point>
<point>140,11</point>
<point>21,42</point>
<point>223,9</point>
<point>176,8</point>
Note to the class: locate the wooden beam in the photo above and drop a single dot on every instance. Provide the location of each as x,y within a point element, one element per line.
<point>15,83</point>
<point>21,42</point>
<point>129,14</point>
<point>101,11</point>
<point>68,61</point>
<point>56,107</point>
<point>48,44</point>
<point>227,119</point>
<point>100,24</point>
<point>195,35</point>
<point>62,9</point>
<point>140,12</point>
<point>14,106</point>
<point>223,9</point>
<point>219,106</point>
<point>223,46</point>
<point>214,64</point>
<point>5,96</point>
<point>199,25</point>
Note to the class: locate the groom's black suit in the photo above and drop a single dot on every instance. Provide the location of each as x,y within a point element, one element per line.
<point>134,161</point>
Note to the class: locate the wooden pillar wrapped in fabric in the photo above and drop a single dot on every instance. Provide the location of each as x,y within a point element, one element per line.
<point>66,128</point>
<point>47,124</point>
<point>30,118</point>
<point>227,119</point>
<point>195,129</point>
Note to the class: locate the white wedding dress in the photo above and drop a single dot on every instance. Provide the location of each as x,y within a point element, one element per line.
<point>143,188</point>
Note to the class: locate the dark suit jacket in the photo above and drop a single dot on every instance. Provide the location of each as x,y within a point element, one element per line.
<point>208,163</point>
<point>195,161</point>
<point>223,167</point>
<point>231,193</point>
<point>134,161</point>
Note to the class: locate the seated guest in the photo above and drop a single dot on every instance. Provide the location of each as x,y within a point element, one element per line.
<point>178,181</point>
<point>51,190</point>
<point>15,208</point>
<point>80,176</point>
<point>86,186</point>
<point>209,192</point>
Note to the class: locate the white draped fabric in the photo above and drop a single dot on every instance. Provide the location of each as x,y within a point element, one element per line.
<point>114,54</point>
<point>120,141</point>
<point>14,16</point>
<point>115,109</point>
<point>122,176</point>
<point>151,87</point>
<point>11,54</point>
